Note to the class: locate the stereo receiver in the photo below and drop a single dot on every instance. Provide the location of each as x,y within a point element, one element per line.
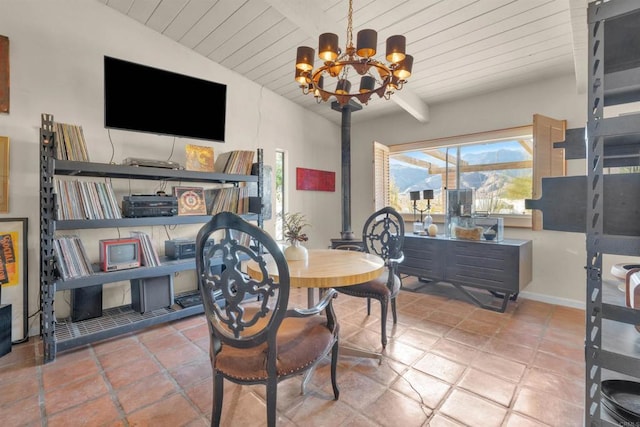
<point>143,205</point>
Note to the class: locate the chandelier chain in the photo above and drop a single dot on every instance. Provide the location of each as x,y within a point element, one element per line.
<point>350,25</point>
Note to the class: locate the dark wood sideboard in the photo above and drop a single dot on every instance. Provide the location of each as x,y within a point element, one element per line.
<point>502,268</point>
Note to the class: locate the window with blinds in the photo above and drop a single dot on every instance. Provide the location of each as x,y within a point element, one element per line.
<point>381,169</point>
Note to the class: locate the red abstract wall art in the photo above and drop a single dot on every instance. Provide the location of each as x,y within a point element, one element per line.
<point>315,180</point>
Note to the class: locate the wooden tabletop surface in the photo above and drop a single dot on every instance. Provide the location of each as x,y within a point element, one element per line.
<point>327,268</point>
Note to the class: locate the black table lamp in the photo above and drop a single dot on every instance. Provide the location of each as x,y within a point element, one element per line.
<point>415,196</point>
<point>428,196</point>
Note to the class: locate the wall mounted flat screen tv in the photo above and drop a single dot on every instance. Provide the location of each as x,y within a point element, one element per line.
<point>146,99</point>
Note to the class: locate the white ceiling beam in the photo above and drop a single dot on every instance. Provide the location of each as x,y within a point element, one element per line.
<point>579,33</point>
<point>412,104</point>
<point>307,15</point>
<point>313,21</point>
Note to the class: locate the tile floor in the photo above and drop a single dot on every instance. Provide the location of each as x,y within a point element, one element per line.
<point>448,363</point>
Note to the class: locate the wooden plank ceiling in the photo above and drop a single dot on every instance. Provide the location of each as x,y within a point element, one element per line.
<point>461,48</point>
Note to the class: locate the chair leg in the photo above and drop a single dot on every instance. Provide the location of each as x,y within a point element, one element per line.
<point>393,310</point>
<point>272,394</point>
<point>383,321</point>
<point>218,393</point>
<point>368,306</point>
<point>334,365</point>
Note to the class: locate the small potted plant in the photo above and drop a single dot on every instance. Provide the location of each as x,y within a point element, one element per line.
<point>294,224</point>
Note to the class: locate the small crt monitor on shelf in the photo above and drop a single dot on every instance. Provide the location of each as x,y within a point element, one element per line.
<point>119,254</point>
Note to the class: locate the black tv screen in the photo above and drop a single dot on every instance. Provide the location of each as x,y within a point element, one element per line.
<point>147,99</point>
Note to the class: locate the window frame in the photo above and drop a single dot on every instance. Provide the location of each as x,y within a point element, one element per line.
<point>514,133</point>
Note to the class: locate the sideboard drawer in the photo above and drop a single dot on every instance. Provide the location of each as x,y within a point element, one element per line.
<point>483,265</point>
<point>423,258</point>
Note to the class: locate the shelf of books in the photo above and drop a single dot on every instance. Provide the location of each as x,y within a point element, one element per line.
<point>73,199</point>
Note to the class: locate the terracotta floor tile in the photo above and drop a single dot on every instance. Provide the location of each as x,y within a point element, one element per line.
<point>432,374</point>
<point>131,372</point>
<point>547,408</point>
<point>421,387</point>
<point>454,350</point>
<point>74,393</point>
<point>186,375</point>
<point>123,355</point>
<point>151,389</point>
<point>101,411</point>
<point>14,389</point>
<point>352,384</point>
<point>395,409</point>
<point>115,344</point>
<point>404,353</point>
<point>24,412</point>
<point>445,317</point>
<point>174,410</point>
<point>58,374</point>
<point>509,350</point>
<point>318,409</point>
<point>488,386</point>
<point>176,356</point>
<point>561,366</point>
<point>467,338</point>
<point>472,410</point>
<point>440,421</point>
<point>417,338</point>
<point>515,337</point>
<point>518,420</point>
<point>569,389</point>
<point>386,373</point>
<point>479,327</point>
<point>440,367</point>
<point>499,366</point>
<point>166,341</point>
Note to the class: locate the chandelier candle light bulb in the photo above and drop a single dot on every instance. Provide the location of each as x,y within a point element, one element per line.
<point>331,79</point>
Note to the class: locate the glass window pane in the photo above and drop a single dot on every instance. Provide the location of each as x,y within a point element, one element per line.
<point>499,172</point>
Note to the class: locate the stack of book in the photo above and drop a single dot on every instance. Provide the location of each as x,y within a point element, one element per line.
<point>227,199</point>
<point>70,143</point>
<point>235,162</point>
<point>86,200</point>
<point>71,258</point>
<point>149,255</point>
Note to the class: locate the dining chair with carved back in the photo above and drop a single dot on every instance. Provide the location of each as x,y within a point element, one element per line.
<point>255,337</point>
<point>382,235</point>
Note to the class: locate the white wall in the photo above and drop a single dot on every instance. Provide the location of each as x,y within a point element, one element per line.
<point>56,58</point>
<point>558,258</point>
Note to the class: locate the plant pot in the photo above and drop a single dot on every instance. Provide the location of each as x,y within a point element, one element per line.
<point>295,252</point>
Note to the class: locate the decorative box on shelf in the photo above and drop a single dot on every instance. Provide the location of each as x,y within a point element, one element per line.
<point>476,228</point>
<point>492,228</point>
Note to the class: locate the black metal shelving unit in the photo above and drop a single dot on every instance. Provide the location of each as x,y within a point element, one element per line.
<point>61,335</point>
<point>611,344</point>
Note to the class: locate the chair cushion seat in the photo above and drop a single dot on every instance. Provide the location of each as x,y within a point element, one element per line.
<point>376,288</point>
<point>301,342</point>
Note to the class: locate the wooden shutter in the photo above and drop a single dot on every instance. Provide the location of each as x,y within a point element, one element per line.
<point>381,175</point>
<point>547,161</point>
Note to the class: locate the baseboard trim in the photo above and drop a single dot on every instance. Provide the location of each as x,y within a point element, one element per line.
<point>553,300</point>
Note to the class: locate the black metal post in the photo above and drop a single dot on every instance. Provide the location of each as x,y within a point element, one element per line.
<point>346,163</point>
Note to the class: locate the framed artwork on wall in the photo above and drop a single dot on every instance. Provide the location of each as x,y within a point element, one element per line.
<point>4,74</point>
<point>4,174</point>
<point>14,281</point>
<point>315,180</point>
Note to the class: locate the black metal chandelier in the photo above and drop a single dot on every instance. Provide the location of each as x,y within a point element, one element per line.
<point>332,78</point>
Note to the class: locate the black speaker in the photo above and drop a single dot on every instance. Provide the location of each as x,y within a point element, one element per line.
<point>86,303</point>
<point>151,293</point>
<point>5,329</point>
